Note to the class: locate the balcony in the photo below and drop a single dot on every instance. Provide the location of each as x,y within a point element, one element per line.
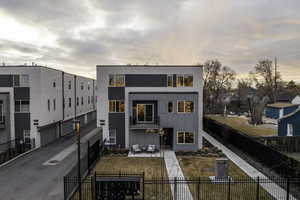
<point>134,124</point>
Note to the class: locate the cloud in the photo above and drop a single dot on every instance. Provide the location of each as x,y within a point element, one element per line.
<point>91,32</point>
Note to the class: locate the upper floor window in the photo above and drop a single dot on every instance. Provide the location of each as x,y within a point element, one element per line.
<point>170,80</point>
<point>48,105</point>
<point>70,85</point>
<point>1,112</point>
<point>89,99</point>
<point>21,80</point>
<point>184,80</point>
<point>185,106</point>
<point>77,101</point>
<point>54,84</point>
<point>116,106</point>
<point>185,137</point>
<point>54,104</point>
<point>116,80</point>
<point>81,86</point>
<point>82,101</point>
<point>70,102</point>
<point>88,86</point>
<point>22,106</point>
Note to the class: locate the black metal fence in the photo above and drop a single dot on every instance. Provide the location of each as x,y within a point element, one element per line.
<point>94,153</point>
<point>279,162</point>
<point>180,189</point>
<point>14,148</point>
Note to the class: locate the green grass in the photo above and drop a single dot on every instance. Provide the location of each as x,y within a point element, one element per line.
<point>194,167</point>
<point>243,126</point>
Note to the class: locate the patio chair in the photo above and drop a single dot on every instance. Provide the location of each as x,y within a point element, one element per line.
<point>151,148</point>
<point>136,148</point>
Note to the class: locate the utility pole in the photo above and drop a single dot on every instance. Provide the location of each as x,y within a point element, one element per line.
<point>275,80</point>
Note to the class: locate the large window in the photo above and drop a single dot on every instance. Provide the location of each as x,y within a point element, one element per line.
<point>116,80</point>
<point>185,106</point>
<point>116,106</point>
<point>184,80</point>
<point>170,80</point>
<point>1,112</point>
<point>145,113</point>
<point>185,137</point>
<point>21,80</point>
<point>112,137</point>
<point>22,106</point>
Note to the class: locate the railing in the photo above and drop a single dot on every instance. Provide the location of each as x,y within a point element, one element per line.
<point>182,189</point>
<point>13,148</point>
<point>133,121</point>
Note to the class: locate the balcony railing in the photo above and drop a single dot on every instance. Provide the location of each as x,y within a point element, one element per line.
<point>134,124</point>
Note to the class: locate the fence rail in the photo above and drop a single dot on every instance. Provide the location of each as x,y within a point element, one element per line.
<point>200,188</point>
<point>14,148</point>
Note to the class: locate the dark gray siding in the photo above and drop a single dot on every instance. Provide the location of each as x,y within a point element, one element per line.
<point>91,116</point>
<point>146,80</point>
<point>272,113</point>
<point>117,121</point>
<point>116,93</point>
<point>48,133</point>
<point>21,93</point>
<point>22,122</point>
<point>294,119</point>
<point>6,80</point>
<point>289,110</point>
<point>67,127</point>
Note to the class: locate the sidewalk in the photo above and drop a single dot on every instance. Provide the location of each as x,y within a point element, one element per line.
<point>174,170</point>
<point>248,169</point>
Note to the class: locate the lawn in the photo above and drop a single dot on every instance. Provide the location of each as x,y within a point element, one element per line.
<point>243,126</point>
<point>194,167</point>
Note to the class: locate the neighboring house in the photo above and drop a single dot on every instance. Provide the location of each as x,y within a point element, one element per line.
<point>289,125</point>
<point>296,100</point>
<point>279,109</point>
<point>37,104</point>
<point>137,102</point>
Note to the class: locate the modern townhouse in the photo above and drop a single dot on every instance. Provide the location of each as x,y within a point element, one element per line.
<point>38,104</point>
<point>137,103</point>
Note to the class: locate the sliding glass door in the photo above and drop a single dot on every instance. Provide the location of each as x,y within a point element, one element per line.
<point>145,113</point>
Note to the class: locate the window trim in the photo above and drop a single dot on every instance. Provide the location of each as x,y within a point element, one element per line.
<point>184,132</point>
<point>137,112</point>
<point>172,76</point>
<point>115,106</point>
<point>184,76</point>
<point>20,103</point>
<point>184,107</point>
<point>115,137</point>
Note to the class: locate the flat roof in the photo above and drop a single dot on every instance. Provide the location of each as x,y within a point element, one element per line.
<point>129,65</point>
<point>281,105</point>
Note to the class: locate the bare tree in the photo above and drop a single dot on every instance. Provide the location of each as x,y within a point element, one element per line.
<point>217,80</point>
<point>257,106</point>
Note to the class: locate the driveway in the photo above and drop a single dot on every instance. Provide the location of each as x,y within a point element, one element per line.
<point>29,178</point>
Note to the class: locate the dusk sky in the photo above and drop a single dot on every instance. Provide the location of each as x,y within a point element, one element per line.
<point>76,35</point>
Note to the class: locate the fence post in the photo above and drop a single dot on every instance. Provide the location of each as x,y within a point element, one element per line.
<point>198,189</point>
<point>65,196</point>
<point>143,185</point>
<point>229,182</point>
<point>175,188</point>
<point>257,189</point>
<point>288,188</point>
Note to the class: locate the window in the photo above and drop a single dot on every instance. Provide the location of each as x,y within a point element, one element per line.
<point>184,80</point>
<point>88,86</point>
<point>145,113</point>
<point>185,137</point>
<point>89,99</point>
<point>112,137</point>
<point>22,106</point>
<point>48,105</point>
<point>116,106</point>
<point>54,84</point>
<point>64,101</point>
<point>116,81</point>
<point>1,112</point>
<point>54,104</point>
<point>185,106</point>
<point>26,134</point>
<point>170,106</point>
<point>70,85</point>
<point>82,101</point>
<point>170,80</point>
<point>16,80</point>
<point>77,101</point>
<point>70,102</point>
<point>81,86</point>
<point>290,130</point>
<point>24,80</point>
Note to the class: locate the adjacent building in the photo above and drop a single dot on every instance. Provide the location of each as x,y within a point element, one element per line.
<point>38,104</point>
<point>289,125</point>
<point>150,105</point>
<point>279,109</point>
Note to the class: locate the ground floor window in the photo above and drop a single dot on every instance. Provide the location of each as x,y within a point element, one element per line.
<point>185,137</point>
<point>185,106</point>
<point>22,106</point>
<point>112,137</point>
<point>26,134</point>
<point>290,130</point>
<point>116,106</point>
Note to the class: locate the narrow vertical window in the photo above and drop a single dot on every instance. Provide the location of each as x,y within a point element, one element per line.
<point>77,101</point>
<point>16,80</point>
<point>170,106</point>
<point>70,85</point>
<point>70,102</point>
<point>180,81</point>
<point>82,101</point>
<point>48,104</point>
<point>54,104</point>
<point>170,80</point>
